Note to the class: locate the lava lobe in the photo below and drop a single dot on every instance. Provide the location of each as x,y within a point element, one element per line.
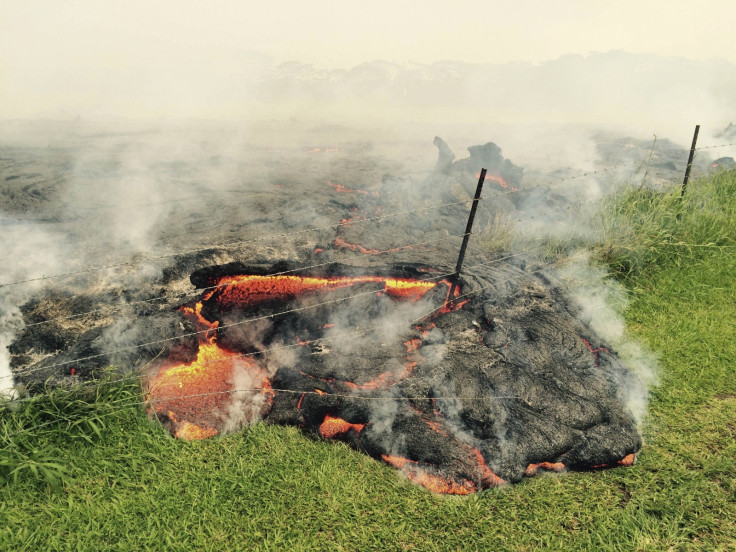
<point>459,395</point>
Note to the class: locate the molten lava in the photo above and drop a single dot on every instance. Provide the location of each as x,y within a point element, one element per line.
<point>239,292</point>
<point>343,189</point>
<point>204,389</point>
<point>195,398</point>
<point>341,243</point>
<point>595,352</point>
<point>332,427</point>
<point>498,180</point>
<point>627,460</point>
<point>423,476</point>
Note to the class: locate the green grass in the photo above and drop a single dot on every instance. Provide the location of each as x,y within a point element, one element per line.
<point>643,232</point>
<point>120,483</point>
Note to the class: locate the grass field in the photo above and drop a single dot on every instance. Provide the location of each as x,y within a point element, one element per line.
<point>107,478</point>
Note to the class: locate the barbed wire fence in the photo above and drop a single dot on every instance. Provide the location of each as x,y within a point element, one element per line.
<point>136,374</point>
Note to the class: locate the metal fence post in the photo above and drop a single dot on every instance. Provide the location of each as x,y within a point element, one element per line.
<point>466,237</point>
<point>690,161</point>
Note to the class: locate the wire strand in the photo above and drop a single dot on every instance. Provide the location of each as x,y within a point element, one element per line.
<point>561,180</point>
<point>718,146</point>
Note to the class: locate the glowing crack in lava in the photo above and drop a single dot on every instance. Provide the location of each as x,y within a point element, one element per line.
<point>425,476</point>
<point>498,180</point>
<point>250,290</point>
<point>345,190</point>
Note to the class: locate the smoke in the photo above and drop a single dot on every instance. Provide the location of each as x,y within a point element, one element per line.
<point>27,251</point>
<point>247,404</point>
<point>78,197</point>
<point>602,301</point>
<point>11,322</point>
<point>351,330</point>
<point>115,192</point>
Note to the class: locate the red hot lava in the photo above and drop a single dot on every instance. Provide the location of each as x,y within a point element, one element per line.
<point>196,398</point>
<point>344,189</point>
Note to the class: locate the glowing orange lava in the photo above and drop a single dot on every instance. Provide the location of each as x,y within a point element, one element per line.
<point>627,460</point>
<point>387,379</point>
<point>436,427</point>
<point>191,394</point>
<point>194,397</point>
<point>251,290</point>
<point>343,189</point>
<point>412,344</point>
<point>192,432</point>
<point>596,352</point>
<point>341,243</point>
<point>332,427</point>
<point>495,178</point>
<point>356,216</point>
<point>435,483</point>
<point>531,469</point>
<point>488,478</point>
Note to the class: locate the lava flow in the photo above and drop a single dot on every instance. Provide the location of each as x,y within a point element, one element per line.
<point>244,291</point>
<point>331,427</point>
<point>337,389</point>
<point>346,190</point>
<point>424,476</point>
<point>197,399</point>
<point>498,180</point>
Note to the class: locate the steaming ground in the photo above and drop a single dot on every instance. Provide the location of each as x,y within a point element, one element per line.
<point>157,200</point>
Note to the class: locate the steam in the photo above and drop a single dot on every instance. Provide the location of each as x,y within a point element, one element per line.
<point>375,328</point>
<point>246,404</point>
<point>117,192</point>
<point>27,250</point>
<point>602,301</point>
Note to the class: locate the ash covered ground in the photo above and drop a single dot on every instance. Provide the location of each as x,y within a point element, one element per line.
<point>460,395</point>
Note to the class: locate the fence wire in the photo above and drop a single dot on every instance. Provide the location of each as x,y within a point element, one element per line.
<point>198,291</point>
<point>716,146</point>
<point>140,260</point>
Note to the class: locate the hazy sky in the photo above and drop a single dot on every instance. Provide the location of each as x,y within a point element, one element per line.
<point>66,53</point>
